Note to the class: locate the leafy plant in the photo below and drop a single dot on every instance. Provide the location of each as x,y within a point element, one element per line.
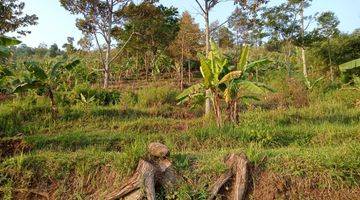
<point>211,68</point>
<point>46,81</point>
<point>226,82</point>
<point>310,85</point>
<point>239,84</point>
<point>102,97</point>
<point>5,43</point>
<point>86,100</point>
<point>5,72</point>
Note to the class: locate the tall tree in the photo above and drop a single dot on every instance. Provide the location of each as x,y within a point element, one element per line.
<point>155,27</point>
<point>12,17</point>
<point>85,43</point>
<point>247,22</point>
<point>287,23</point>
<point>302,5</point>
<point>99,18</point>
<point>206,6</point>
<point>226,38</point>
<point>186,43</point>
<point>69,46</point>
<point>54,50</point>
<point>328,27</point>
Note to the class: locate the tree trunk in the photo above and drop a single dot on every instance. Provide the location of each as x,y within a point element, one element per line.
<point>106,73</point>
<point>288,58</point>
<point>182,65</point>
<point>54,110</point>
<point>330,63</point>
<point>217,110</point>
<point>146,68</point>
<point>189,72</point>
<point>108,46</point>
<point>156,171</point>
<point>303,56</point>
<point>238,174</point>
<point>207,42</point>
<point>235,113</point>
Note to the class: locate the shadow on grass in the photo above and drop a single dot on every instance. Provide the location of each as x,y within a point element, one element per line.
<point>332,118</point>
<point>75,114</point>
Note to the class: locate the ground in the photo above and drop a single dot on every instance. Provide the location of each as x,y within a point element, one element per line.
<point>297,152</point>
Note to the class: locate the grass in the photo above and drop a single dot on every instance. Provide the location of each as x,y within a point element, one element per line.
<point>91,149</point>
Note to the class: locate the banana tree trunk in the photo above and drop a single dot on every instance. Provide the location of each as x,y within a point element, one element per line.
<point>217,110</point>
<point>232,112</point>
<point>54,110</point>
<point>189,72</point>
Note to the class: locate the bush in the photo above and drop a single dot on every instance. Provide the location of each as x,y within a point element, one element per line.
<point>101,96</point>
<point>291,93</point>
<point>157,96</point>
<point>129,98</point>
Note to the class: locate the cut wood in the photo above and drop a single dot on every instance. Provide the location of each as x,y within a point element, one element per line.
<point>148,173</point>
<point>142,179</point>
<point>158,150</point>
<point>238,173</point>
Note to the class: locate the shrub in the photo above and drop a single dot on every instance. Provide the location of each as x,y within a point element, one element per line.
<point>156,96</point>
<point>102,96</point>
<point>291,93</point>
<point>129,98</point>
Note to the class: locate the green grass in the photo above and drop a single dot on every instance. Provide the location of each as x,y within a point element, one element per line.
<point>320,141</point>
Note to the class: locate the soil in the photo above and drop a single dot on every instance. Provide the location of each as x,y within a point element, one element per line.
<point>12,146</point>
<point>269,186</point>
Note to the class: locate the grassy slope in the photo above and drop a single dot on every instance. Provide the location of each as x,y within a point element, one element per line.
<point>90,149</point>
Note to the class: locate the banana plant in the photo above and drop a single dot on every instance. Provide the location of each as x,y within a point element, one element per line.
<point>212,69</point>
<point>227,82</point>
<point>46,79</point>
<point>5,43</point>
<point>311,84</point>
<point>239,85</point>
<point>5,72</point>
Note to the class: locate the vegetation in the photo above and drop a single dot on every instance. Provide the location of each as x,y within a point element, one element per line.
<point>75,119</point>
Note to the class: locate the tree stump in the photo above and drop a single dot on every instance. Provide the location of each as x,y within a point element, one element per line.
<point>141,184</point>
<point>238,174</point>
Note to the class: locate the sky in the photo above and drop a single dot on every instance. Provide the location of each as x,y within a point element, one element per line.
<point>56,24</point>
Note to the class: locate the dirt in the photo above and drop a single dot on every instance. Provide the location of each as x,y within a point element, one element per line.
<point>269,186</point>
<point>4,97</point>
<point>13,146</point>
<point>91,187</point>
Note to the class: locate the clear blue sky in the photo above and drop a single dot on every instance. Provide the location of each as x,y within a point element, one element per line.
<point>56,24</point>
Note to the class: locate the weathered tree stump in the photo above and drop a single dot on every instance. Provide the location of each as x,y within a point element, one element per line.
<point>158,171</point>
<point>141,184</point>
<point>238,174</point>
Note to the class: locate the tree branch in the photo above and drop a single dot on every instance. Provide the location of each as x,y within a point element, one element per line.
<point>122,48</point>
<point>100,51</point>
<point>201,7</point>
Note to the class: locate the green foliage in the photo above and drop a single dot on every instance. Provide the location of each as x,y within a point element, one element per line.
<point>102,97</point>
<point>350,65</point>
<point>5,43</point>
<point>344,48</point>
<point>12,17</point>
<point>52,76</point>
<point>153,97</point>
<point>224,81</point>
